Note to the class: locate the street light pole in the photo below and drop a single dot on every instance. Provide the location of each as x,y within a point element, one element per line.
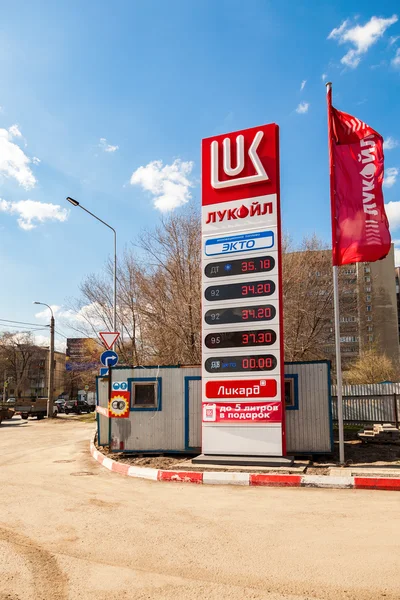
<point>50,392</point>
<point>76,203</point>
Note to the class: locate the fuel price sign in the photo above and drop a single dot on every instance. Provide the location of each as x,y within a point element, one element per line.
<point>241,288</point>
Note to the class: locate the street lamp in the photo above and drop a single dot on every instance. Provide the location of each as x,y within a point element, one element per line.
<point>50,400</point>
<point>76,203</point>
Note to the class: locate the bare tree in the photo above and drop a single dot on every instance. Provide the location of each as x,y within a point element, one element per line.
<point>372,367</point>
<point>171,289</point>
<point>20,358</point>
<point>308,300</point>
<point>159,295</point>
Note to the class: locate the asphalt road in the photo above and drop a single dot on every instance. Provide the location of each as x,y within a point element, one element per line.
<point>70,529</point>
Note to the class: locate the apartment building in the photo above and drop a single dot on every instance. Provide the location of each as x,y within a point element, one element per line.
<point>36,381</point>
<point>397,271</point>
<point>368,307</point>
<point>373,320</point>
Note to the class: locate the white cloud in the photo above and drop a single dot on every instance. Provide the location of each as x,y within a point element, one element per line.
<point>107,147</point>
<point>14,131</point>
<point>362,37</point>
<point>303,84</point>
<point>393,39</point>
<point>393,214</point>
<point>396,59</point>
<point>43,340</point>
<point>396,257</point>
<point>390,177</point>
<point>396,247</point>
<point>170,184</point>
<point>36,160</point>
<point>13,161</point>
<point>390,143</point>
<point>338,31</point>
<point>88,312</point>
<point>302,108</point>
<point>31,212</point>
<point>324,76</point>
<point>45,313</point>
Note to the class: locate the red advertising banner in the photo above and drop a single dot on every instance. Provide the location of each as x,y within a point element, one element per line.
<point>118,405</point>
<point>237,389</point>
<point>262,412</point>
<point>360,229</point>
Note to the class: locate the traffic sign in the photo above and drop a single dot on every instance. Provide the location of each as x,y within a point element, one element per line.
<point>109,358</point>
<point>86,387</point>
<point>120,385</point>
<point>109,338</point>
<point>104,372</point>
<point>118,405</point>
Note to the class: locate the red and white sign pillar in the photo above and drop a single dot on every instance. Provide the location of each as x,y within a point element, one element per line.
<point>242,362</point>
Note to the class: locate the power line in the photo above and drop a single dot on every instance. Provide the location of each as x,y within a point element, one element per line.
<point>22,329</point>
<point>25,329</point>
<point>58,332</point>
<point>21,322</point>
<point>6,326</point>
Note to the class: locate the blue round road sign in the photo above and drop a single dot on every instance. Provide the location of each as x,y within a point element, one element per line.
<point>109,358</point>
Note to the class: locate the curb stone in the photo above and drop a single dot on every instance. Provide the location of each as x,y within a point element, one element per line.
<point>251,479</point>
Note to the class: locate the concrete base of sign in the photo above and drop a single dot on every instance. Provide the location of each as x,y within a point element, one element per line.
<point>246,461</point>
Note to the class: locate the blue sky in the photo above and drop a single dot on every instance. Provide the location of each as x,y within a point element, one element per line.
<point>93,93</point>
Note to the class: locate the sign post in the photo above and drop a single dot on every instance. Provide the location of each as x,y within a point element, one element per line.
<point>242,357</point>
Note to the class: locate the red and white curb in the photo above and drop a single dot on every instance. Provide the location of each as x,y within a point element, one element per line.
<point>254,479</point>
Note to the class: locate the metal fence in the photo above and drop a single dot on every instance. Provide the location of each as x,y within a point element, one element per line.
<point>369,403</point>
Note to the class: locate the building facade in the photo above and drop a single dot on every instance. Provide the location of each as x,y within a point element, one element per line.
<point>36,381</point>
<point>369,316</point>
<point>397,270</point>
<point>373,321</point>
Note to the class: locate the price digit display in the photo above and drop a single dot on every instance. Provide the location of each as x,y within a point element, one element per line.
<point>238,339</point>
<point>261,264</point>
<point>235,364</point>
<point>240,314</point>
<point>248,289</point>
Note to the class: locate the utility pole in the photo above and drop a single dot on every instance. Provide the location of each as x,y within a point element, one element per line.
<point>50,399</point>
<point>5,386</point>
<point>50,387</point>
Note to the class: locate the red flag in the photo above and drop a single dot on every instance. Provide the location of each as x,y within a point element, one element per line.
<point>360,229</point>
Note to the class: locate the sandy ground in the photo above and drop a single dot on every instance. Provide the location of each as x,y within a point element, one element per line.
<point>70,529</point>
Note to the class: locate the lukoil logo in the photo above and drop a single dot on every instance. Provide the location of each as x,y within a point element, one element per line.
<point>232,172</point>
<point>367,156</point>
<point>255,209</point>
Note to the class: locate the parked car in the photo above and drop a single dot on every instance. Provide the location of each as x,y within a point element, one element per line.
<point>6,411</point>
<point>60,404</point>
<point>77,407</point>
<point>33,407</point>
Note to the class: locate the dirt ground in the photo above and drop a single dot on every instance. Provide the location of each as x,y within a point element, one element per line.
<point>358,453</point>
<point>72,530</point>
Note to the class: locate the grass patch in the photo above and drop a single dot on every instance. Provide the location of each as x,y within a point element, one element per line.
<point>87,418</point>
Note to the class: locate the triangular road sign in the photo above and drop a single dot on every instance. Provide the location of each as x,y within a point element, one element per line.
<point>109,338</point>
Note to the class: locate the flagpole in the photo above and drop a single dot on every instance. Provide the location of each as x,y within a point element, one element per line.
<point>335,280</point>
